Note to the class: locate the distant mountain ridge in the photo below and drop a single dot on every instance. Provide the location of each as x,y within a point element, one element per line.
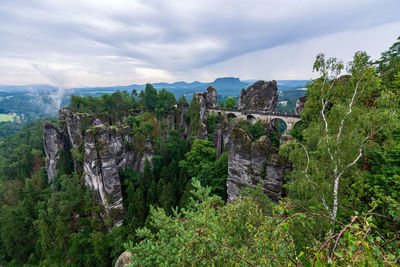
<point>226,86</point>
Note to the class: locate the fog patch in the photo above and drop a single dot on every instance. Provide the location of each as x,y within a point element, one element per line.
<point>59,79</point>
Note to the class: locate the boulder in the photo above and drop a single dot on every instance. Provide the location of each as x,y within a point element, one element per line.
<point>124,259</point>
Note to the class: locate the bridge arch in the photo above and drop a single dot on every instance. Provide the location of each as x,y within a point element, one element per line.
<point>251,118</point>
<point>231,115</point>
<point>281,125</point>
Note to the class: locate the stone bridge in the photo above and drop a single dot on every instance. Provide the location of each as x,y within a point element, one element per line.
<point>289,119</point>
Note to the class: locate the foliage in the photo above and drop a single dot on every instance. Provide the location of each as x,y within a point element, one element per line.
<point>108,108</point>
<point>256,129</point>
<point>207,233</point>
<point>212,121</point>
<point>382,168</point>
<point>230,103</point>
<point>165,102</point>
<point>343,206</point>
<point>202,154</point>
<point>389,66</point>
<point>194,115</point>
<point>150,97</point>
<point>352,110</point>
<point>291,97</point>
<point>182,100</point>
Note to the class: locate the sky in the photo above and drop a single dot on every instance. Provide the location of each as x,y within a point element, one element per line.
<point>75,43</point>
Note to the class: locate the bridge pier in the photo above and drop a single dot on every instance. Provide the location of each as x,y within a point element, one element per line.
<point>289,126</point>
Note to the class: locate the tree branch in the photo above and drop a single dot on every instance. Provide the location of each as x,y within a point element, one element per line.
<point>311,182</point>
<point>337,178</point>
<point>350,107</point>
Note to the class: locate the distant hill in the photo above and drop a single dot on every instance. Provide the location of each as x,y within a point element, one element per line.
<point>291,84</point>
<point>226,86</point>
<point>37,88</point>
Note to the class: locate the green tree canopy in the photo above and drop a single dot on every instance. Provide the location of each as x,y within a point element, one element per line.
<point>230,103</point>
<point>202,154</point>
<point>343,113</point>
<point>165,101</point>
<point>150,97</point>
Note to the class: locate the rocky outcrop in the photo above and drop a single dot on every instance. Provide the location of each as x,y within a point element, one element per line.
<point>261,96</point>
<point>202,133</point>
<point>221,136</point>
<point>181,122</point>
<point>124,259</point>
<point>54,143</point>
<point>104,153</point>
<point>206,100</point>
<point>253,162</point>
<point>211,97</point>
<point>98,154</point>
<point>300,105</point>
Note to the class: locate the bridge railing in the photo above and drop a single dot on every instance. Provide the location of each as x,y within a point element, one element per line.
<point>249,112</point>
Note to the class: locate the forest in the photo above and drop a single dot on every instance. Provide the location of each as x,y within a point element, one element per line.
<point>340,205</point>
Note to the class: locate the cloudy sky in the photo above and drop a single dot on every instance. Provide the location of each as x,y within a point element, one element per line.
<point>118,42</point>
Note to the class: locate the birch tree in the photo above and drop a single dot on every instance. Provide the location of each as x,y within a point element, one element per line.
<point>346,109</point>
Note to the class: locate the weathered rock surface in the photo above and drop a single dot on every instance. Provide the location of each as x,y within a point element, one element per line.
<point>253,162</point>
<point>104,150</point>
<point>182,125</point>
<point>221,136</point>
<point>124,259</point>
<point>211,97</point>
<point>202,132</point>
<point>104,153</point>
<point>54,143</point>
<point>261,96</point>
<point>206,100</point>
<point>300,105</point>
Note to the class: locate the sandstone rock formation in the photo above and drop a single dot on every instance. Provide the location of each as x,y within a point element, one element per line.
<point>211,97</point>
<point>261,96</point>
<point>253,162</point>
<point>206,100</point>
<point>98,154</point>
<point>104,153</point>
<point>221,136</point>
<point>300,105</point>
<point>182,125</point>
<point>124,259</point>
<point>54,143</point>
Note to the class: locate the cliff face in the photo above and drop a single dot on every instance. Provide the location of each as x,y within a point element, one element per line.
<point>300,105</point>
<point>181,123</point>
<point>206,100</point>
<point>104,156</point>
<point>54,143</point>
<point>250,162</point>
<point>100,151</point>
<point>260,96</point>
<point>98,154</point>
<point>253,162</point>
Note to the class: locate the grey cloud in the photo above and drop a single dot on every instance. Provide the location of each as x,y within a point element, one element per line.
<point>177,35</point>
